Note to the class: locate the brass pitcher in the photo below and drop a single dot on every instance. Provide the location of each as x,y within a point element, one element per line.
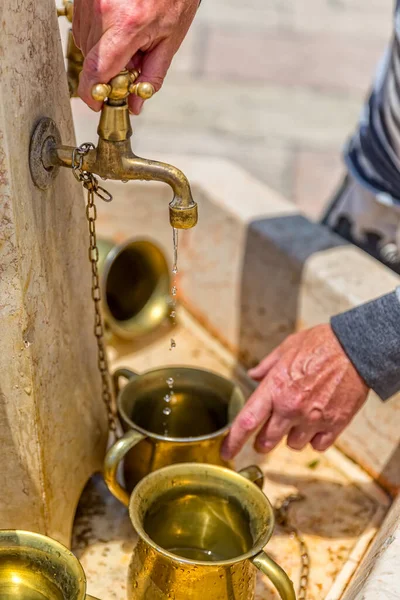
<point>202,530</point>
<point>35,567</point>
<point>202,407</point>
<point>135,286</point>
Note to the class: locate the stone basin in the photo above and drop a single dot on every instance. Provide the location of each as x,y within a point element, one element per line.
<point>253,271</point>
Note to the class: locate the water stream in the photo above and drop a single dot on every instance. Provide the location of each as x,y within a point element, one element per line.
<point>172,344</point>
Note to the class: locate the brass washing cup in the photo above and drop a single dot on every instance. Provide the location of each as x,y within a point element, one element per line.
<point>202,530</point>
<point>203,407</point>
<point>36,567</point>
<point>135,286</point>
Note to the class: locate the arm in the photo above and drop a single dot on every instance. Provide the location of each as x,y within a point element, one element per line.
<point>141,34</point>
<point>314,383</point>
<point>370,336</point>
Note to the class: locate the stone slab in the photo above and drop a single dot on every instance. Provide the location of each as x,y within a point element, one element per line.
<point>53,428</point>
<point>341,511</point>
<point>322,60</point>
<point>378,575</point>
<point>272,270</point>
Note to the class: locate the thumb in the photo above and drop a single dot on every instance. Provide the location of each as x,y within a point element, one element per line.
<point>155,64</point>
<point>105,60</point>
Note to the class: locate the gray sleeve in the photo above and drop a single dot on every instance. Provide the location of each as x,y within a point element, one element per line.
<point>370,336</point>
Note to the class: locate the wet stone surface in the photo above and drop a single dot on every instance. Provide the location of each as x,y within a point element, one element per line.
<point>337,509</point>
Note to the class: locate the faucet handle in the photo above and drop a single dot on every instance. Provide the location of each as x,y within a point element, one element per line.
<point>67,10</point>
<point>121,86</point>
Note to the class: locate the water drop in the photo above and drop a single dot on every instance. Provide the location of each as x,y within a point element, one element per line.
<point>167,398</point>
<point>172,344</point>
<point>173,290</point>
<point>175,269</point>
<point>170,382</point>
<point>167,410</point>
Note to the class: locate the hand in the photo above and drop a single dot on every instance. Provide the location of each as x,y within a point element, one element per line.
<point>309,391</point>
<point>141,34</point>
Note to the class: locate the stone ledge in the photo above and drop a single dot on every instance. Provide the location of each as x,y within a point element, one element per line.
<point>255,269</point>
<point>254,258</point>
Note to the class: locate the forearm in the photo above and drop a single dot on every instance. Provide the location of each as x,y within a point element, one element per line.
<point>370,336</point>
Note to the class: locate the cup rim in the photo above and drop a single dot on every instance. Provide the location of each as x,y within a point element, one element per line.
<point>116,249</point>
<point>40,540</point>
<point>138,527</point>
<point>178,440</point>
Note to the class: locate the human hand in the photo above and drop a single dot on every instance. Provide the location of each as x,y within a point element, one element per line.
<point>140,34</point>
<point>309,390</point>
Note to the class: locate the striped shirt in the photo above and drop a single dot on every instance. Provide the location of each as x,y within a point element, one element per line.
<point>373,153</point>
<point>370,333</point>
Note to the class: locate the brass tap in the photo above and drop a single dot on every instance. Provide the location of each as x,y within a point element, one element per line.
<point>74,55</point>
<point>67,10</point>
<point>113,158</point>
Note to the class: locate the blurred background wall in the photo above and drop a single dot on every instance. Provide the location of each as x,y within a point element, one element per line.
<point>276,85</point>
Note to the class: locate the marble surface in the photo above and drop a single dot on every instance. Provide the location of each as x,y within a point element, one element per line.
<point>271,270</point>
<point>340,513</point>
<point>53,428</point>
<point>378,576</point>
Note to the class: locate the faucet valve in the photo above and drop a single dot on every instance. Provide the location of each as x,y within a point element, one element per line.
<point>113,157</point>
<point>67,10</point>
<point>120,87</point>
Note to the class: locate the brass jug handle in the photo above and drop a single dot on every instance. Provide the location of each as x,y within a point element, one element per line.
<point>112,461</point>
<point>276,574</point>
<point>253,474</point>
<point>123,372</point>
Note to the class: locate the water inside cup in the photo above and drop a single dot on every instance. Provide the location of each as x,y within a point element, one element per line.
<point>193,411</point>
<point>19,582</point>
<point>199,525</point>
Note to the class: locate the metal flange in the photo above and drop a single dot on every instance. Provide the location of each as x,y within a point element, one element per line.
<point>46,133</point>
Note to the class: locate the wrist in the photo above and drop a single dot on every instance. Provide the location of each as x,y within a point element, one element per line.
<point>370,336</point>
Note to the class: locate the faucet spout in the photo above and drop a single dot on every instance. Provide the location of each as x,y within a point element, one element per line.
<point>114,159</point>
<point>182,208</point>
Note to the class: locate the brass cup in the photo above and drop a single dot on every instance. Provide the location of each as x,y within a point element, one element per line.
<point>202,409</point>
<point>202,529</point>
<point>135,286</point>
<point>35,567</point>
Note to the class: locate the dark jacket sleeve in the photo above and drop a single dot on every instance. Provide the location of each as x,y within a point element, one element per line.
<point>370,336</point>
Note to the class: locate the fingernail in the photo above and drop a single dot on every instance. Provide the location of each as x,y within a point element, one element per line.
<point>263,447</point>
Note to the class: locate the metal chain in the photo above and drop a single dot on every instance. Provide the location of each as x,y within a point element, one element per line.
<point>90,183</point>
<point>282,518</point>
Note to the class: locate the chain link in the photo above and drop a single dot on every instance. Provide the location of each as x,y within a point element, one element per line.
<point>282,518</point>
<point>90,183</point>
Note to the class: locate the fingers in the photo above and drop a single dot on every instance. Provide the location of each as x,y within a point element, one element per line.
<point>276,428</point>
<point>76,23</point>
<point>299,437</point>
<point>261,370</point>
<point>154,67</point>
<point>105,60</point>
<point>251,417</point>
<point>322,441</point>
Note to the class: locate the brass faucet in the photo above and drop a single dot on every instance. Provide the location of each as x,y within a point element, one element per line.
<point>113,158</point>
<point>74,55</point>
